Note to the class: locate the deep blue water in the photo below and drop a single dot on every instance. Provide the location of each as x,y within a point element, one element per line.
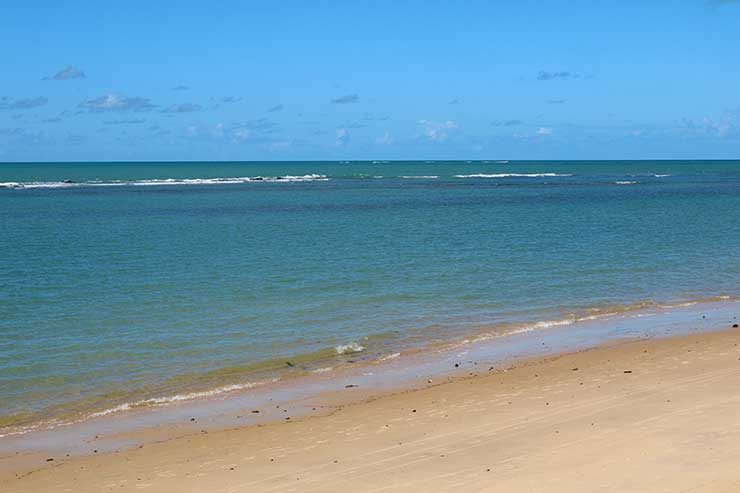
<point>148,280</point>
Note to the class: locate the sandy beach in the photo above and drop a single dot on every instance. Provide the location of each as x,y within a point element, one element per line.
<point>390,247</point>
<point>650,415</point>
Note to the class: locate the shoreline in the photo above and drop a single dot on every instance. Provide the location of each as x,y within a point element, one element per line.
<point>332,393</point>
<point>645,404</point>
<point>350,357</point>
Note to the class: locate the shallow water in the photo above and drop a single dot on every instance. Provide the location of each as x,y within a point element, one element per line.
<point>148,282</point>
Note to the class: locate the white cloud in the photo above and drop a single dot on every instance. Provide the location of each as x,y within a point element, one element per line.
<point>115,102</point>
<point>385,139</point>
<point>725,126</point>
<point>544,131</point>
<point>342,137</point>
<point>182,108</point>
<point>252,131</point>
<point>438,131</point>
<point>67,73</point>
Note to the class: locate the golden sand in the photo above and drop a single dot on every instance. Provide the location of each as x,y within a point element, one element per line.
<point>657,415</point>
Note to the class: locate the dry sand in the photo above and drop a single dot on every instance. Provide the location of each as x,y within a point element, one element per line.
<point>658,415</point>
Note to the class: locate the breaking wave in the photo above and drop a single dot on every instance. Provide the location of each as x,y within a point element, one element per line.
<point>350,348</point>
<point>512,175</point>
<point>164,182</point>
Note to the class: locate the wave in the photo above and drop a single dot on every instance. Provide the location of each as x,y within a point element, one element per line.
<point>158,401</point>
<point>350,348</point>
<point>164,182</point>
<point>626,182</point>
<point>661,176</point>
<point>419,177</point>
<point>316,363</point>
<point>579,316</point>
<point>512,175</point>
<point>389,356</point>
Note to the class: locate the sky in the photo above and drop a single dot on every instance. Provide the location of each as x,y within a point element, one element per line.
<point>329,80</point>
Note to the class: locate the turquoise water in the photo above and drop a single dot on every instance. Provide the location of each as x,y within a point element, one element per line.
<point>126,282</point>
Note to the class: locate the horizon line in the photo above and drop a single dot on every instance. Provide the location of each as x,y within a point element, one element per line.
<point>375,161</point>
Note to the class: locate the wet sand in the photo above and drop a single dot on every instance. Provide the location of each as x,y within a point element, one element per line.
<point>648,415</point>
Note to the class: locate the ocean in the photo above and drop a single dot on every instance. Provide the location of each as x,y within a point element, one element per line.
<point>137,284</point>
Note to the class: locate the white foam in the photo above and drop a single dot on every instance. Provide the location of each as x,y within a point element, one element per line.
<point>37,184</point>
<point>420,177</point>
<point>167,181</point>
<point>112,410</point>
<point>511,175</point>
<point>389,356</point>
<point>625,182</point>
<point>158,401</point>
<point>660,176</point>
<point>350,348</point>
<point>552,323</point>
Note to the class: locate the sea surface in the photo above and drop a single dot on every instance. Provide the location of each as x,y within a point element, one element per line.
<point>127,285</point>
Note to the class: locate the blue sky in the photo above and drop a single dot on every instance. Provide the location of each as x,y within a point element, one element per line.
<point>193,80</point>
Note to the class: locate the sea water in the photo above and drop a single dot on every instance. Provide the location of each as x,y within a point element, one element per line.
<point>136,284</point>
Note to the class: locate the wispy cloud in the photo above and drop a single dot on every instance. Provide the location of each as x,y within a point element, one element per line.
<point>438,131</point>
<point>180,88</point>
<point>346,99</point>
<point>182,108</point>
<point>544,131</point>
<point>544,75</point>
<point>385,139</point>
<point>354,125</point>
<point>251,131</point>
<point>7,103</point>
<point>22,135</point>
<point>507,123</point>
<point>134,121</point>
<point>67,73</point>
<point>273,109</point>
<point>370,117</point>
<point>230,99</point>
<point>716,3</point>
<point>76,139</point>
<point>342,137</point>
<point>12,132</point>
<point>556,101</point>
<point>454,101</point>
<point>115,102</point>
<point>725,126</point>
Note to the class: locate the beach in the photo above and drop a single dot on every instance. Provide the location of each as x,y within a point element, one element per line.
<point>178,325</point>
<point>639,415</point>
<point>261,247</point>
<point>250,248</point>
